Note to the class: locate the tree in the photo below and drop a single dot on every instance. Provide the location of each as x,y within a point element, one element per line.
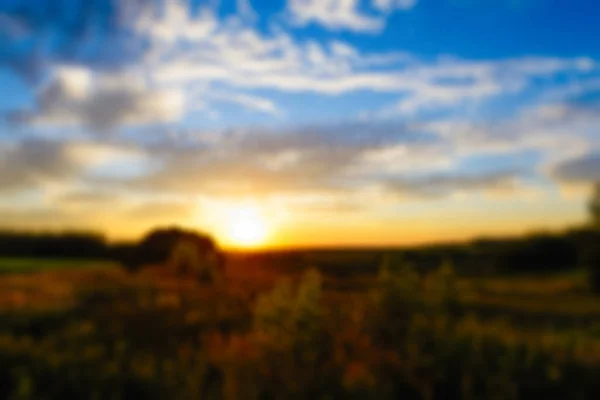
<point>595,206</point>
<point>188,258</point>
<point>160,246</point>
<point>593,259</point>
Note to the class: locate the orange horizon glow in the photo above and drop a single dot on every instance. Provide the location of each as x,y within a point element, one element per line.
<point>245,227</point>
<point>250,223</point>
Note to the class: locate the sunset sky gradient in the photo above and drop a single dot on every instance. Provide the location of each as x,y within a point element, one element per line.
<point>329,122</point>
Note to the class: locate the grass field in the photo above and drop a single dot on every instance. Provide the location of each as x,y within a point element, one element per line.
<point>26,265</point>
<point>89,330</point>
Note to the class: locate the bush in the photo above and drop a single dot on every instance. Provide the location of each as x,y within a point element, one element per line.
<point>186,260</point>
<point>291,318</point>
<point>290,333</point>
<point>395,300</point>
<point>159,246</point>
<point>442,291</point>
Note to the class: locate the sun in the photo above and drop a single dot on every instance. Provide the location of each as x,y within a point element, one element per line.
<point>246,227</point>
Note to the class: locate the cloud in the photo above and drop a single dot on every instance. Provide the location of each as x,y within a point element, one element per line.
<point>38,163</point>
<point>345,14</point>
<point>449,83</point>
<point>76,96</point>
<point>273,161</point>
<point>585,169</point>
<point>90,199</point>
<point>337,161</point>
<point>558,131</point>
<point>448,184</point>
<point>333,14</point>
<point>415,159</point>
<point>239,56</point>
<point>251,102</point>
<point>245,10</point>
<point>228,60</point>
<point>390,5</point>
<point>32,163</point>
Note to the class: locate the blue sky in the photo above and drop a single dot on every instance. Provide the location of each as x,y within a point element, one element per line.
<point>316,114</point>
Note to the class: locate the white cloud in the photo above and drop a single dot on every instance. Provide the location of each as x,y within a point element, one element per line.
<point>427,95</point>
<point>390,5</point>
<point>203,51</point>
<point>333,14</point>
<point>405,158</point>
<point>248,101</point>
<point>174,22</point>
<point>351,15</point>
<point>237,55</point>
<point>69,82</point>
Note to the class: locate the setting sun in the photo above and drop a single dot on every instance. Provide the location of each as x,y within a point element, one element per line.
<point>246,227</point>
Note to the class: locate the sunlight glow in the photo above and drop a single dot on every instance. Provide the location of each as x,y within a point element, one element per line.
<point>246,227</point>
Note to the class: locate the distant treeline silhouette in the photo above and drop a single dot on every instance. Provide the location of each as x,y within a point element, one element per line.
<point>534,253</point>
<point>541,252</point>
<point>53,244</point>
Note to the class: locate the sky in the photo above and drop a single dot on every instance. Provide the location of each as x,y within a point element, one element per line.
<point>300,122</point>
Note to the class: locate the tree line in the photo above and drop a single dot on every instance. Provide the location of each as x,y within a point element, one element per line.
<point>541,252</point>
<point>155,247</point>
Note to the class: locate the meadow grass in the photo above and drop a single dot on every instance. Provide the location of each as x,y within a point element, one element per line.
<point>273,333</point>
<point>11,265</point>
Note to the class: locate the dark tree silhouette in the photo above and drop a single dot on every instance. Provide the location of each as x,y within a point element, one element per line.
<point>593,259</point>
<point>595,206</point>
<point>157,247</point>
<point>52,244</point>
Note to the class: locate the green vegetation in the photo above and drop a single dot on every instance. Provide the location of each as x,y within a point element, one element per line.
<point>26,265</point>
<point>302,333</point>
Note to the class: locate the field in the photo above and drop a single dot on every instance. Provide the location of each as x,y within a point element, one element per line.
<point>25,265</point>
<point>314,325</point>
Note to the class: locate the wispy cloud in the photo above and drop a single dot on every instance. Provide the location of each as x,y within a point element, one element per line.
<point>333,14</point>
<point>345,14</point>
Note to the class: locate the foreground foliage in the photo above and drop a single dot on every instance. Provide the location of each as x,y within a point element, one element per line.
<point>409,336</point>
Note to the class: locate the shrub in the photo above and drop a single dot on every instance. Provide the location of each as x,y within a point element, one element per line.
<point>396,299</point>
<point>186,260</point>
<point>291,318</point>
<point>158,247</point>
<point>293,341</point>
<point>442,291</point>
